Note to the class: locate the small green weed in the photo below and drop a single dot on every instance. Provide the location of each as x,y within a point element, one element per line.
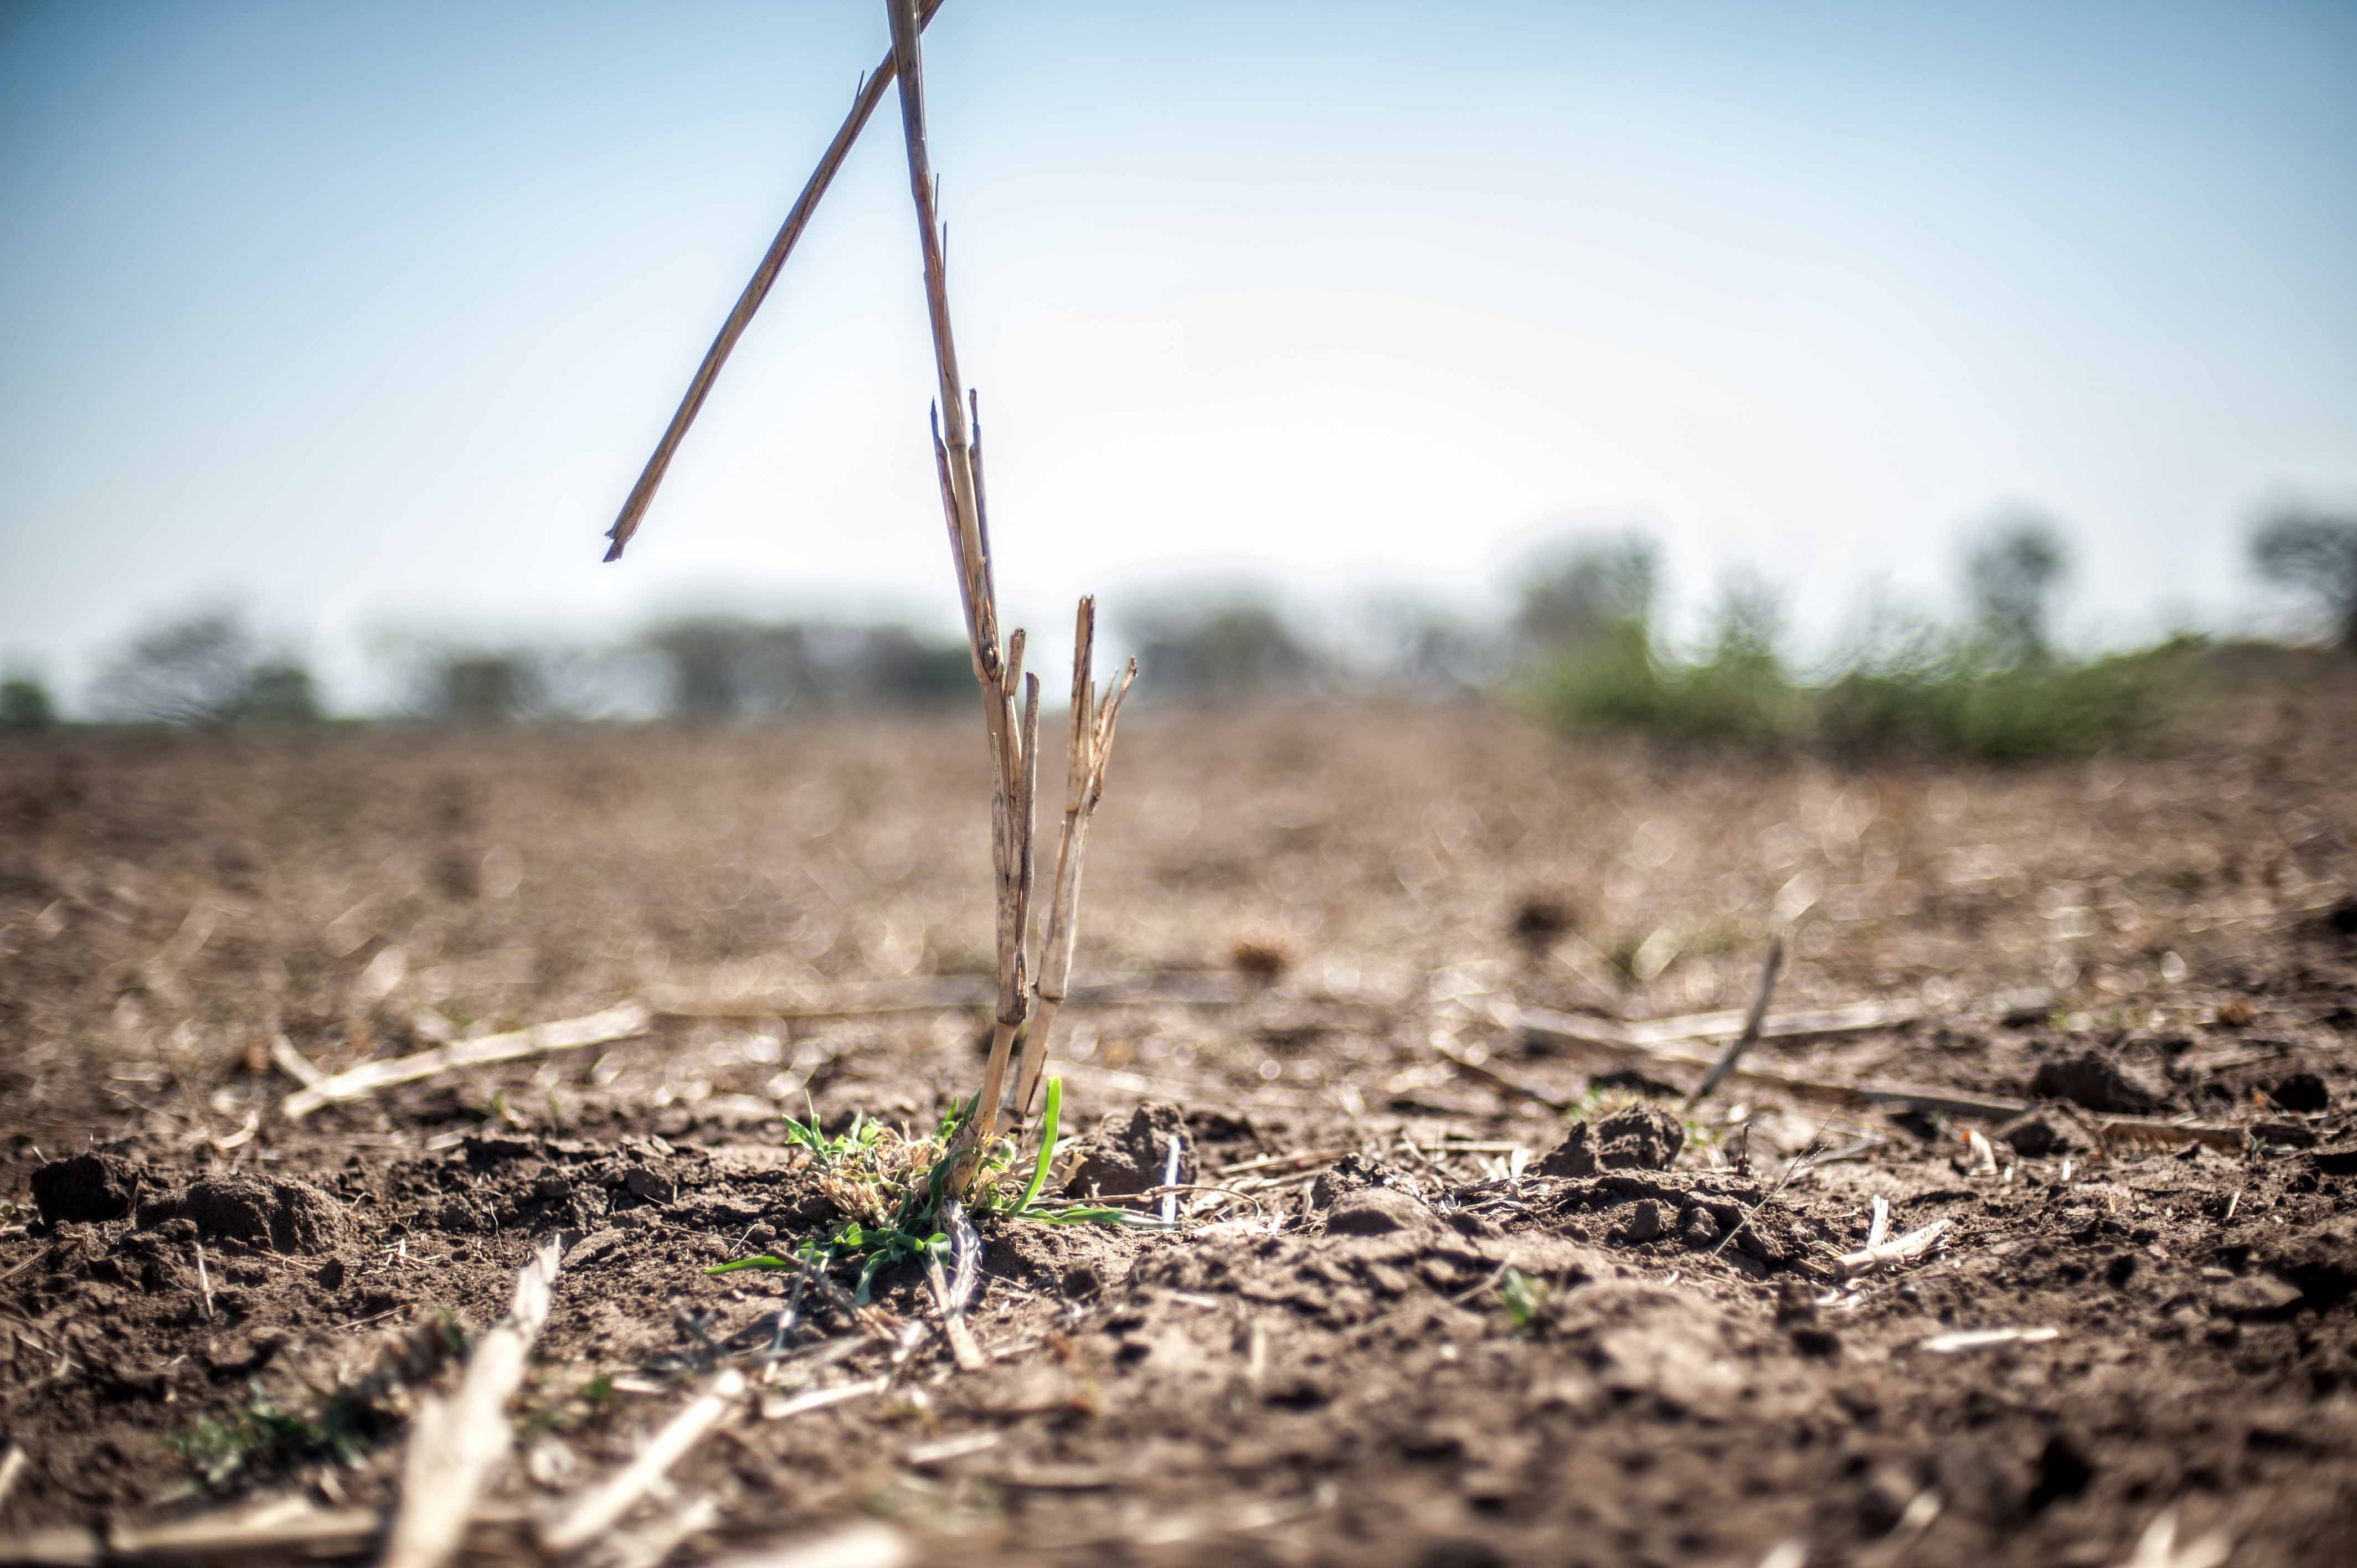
<point>258,1437</point>
<point>1524,1298</point>
<point>888,1188</point>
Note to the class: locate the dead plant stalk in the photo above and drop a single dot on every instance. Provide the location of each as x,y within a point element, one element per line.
<point>643,494</point>
<point>1013,740</point>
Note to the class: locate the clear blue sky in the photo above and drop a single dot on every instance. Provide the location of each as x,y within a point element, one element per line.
<point>368,314</point>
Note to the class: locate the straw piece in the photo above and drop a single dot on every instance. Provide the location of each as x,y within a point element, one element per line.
<point>2158,1547</point>
<point>864,1545</point>
<point>1905,1250</point>
<point>774,1409</point>
<point>871,93</point>
<point>1984,1339</point>
<point>10,1469</point>
<point>1751,1022</point>
<point>592,1512</point>
<point>1087,754</point>
<point>1620,1040</point>
<point>294,1063</point>
<point>456,1446</point>
<point>622,1023</point>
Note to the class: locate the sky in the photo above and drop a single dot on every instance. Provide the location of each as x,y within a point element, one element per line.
<point>365,317</point>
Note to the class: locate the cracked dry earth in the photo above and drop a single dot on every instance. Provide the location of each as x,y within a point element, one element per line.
<point>1410,1317</point>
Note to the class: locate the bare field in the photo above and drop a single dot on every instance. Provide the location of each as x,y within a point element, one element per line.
<point>1390,1330</point>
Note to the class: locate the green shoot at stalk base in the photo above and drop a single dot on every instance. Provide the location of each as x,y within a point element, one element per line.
<point>889,1188</point>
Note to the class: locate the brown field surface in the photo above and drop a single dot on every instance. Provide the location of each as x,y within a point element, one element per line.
<point>1387,1328</point>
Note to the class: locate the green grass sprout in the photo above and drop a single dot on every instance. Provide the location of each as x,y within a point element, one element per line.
<point>1524,1298</point>
<point>888,1188</point>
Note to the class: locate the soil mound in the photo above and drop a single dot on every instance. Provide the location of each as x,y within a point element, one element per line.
<point>284,1216</point>
<point>86,1188</point>
<point>1642,1137</point>
<point>1352,1173</point>
<point>1377,1211</point>
<point>2035,1136</point>
<point>1130,1154</point>
<point>2095,1081</point>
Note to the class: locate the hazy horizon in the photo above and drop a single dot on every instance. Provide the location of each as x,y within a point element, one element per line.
<point>367,319</point>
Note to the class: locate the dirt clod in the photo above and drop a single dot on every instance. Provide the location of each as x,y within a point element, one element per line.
<point>1128,1154</point>
<point>1538,920</point>
<point>86,1188</point>
<point>2040,1133</point>
<point>1261,958</point>
<point>1377,1211</point>
<point>1352,1173</point>
<point>2097,1081</point>
<point>2301,1091</point>
<point>284,1216</point>
<point>1644,1222</point>
<point>1641,1136</point>
<point>1697,1226</point>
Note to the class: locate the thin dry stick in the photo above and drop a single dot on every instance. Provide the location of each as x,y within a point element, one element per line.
<point>1905,1250</point>
<point>651,1545</point>
<point>294,1063</point>
<point>1984,1339</point>
<point>1802,1162</point>
<point>1751,1021</point>
<point>10,1468</point>
<point>456,1446</point>
<point>643,494</point>
<point>1013,741</point>
<point>274,1530</point>
<point>1086,754</point>
<point>622,1023</point>
<point>1585,1032</point>
<point>599,1508</point>
<point>1175,989</point>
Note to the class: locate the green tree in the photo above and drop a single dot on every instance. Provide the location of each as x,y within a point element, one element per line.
<point>281,693</point>
<point>2315,554</point>
<point>1589,591</point>
<point>1225,646</point>
<point>25,706</point>
<point>197,671</point>
<point>207,671</point>
<point>2011,576</point>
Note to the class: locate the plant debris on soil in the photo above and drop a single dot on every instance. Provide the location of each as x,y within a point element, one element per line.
<point>1402,1314</point>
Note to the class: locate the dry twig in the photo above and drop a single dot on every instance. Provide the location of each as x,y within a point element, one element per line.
<point>621,1023</point>
<point>275,1530</point>
<point>1905,1250</point>
<point>1013,740</point>
<point>1984,1339</point>
<point>871,93</point>
<point>1623,1041</point>
<point>998,670</point>
<point>1752,1021</point>
<point>294,1063</point>
<point>456,1446</point>
<point>592,1512</point>
<point>1087,754</point>
<point>2158,1547</point>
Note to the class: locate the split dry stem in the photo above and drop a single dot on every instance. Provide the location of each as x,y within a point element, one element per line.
<point>1013,731</point>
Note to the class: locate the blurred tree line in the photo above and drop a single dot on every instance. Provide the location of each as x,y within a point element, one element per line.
<point>1583,637</point>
